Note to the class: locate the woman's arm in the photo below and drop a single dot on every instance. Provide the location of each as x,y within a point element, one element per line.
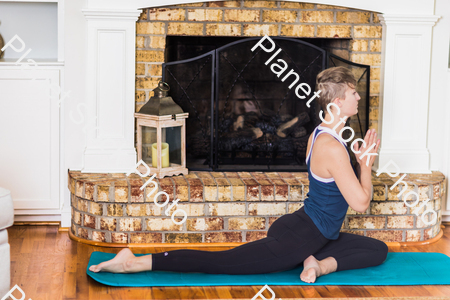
<point>356,191</point>
<point>365,178</point>
<point>358,172</point>
<point>364,168</point>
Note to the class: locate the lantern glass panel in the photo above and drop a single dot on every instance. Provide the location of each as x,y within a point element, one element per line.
<point>148,139</point>
<point>170,146</point>
<point>172,136</point>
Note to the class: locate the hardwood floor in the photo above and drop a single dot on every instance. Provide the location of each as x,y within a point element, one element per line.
<point>46,264</point>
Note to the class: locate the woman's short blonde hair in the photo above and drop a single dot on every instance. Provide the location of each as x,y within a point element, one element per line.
<point>333,83</point>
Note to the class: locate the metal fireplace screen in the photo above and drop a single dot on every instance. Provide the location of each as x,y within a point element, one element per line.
<point>241,115</point>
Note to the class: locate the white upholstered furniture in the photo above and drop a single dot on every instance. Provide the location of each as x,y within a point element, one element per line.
<point>6,220</point>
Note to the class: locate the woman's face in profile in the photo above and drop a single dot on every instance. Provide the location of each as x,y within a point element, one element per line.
<point>350,103</point>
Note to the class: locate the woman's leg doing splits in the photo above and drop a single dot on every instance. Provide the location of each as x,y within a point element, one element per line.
<point>353,251</point>
<point>290,240</point>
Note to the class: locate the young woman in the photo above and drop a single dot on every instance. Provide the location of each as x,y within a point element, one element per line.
<point>311,234</point>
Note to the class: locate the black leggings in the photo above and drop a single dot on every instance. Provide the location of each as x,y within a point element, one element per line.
<point>290,240</point>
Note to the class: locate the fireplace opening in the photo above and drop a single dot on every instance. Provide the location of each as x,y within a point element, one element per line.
<point>242,116</point>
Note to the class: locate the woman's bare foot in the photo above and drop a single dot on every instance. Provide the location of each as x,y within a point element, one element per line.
<point>121,263</point>
<point>311,270</point>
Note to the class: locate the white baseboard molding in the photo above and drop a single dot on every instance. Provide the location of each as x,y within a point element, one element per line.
<point>43,215</point>
<point>34,218</point>
<point>445,218</point>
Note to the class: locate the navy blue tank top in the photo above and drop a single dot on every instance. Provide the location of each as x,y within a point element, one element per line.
<point>325,204</point>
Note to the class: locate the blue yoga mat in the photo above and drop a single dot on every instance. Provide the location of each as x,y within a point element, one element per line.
<point>400,268</point>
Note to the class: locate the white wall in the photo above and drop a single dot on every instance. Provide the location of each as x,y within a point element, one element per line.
<point>439,103</point>
<point>75,48</point>
<point>35,24</point>
<point>418,7</point>
<point>439,100</point>
<point>75,73</point>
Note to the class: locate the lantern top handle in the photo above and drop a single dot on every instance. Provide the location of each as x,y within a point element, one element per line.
<point>162,90</point>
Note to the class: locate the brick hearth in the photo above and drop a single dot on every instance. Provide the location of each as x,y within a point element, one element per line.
<point>235,207</point>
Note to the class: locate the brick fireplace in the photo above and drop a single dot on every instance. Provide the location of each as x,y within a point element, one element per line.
<point>352,34</point>
<point>228,207</point>
<point>356,34</point>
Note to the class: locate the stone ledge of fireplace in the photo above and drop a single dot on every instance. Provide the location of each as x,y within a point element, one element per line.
<point>235,207</point>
